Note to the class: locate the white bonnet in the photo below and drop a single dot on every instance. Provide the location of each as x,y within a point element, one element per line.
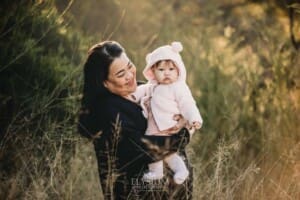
<point>167,52</point>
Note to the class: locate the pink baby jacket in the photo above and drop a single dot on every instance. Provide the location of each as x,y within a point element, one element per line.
<point>166,100</point>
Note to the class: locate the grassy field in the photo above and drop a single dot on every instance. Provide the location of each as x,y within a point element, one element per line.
<point>241,66</point>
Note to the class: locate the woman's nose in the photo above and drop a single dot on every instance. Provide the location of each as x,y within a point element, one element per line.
<point>129,75</point>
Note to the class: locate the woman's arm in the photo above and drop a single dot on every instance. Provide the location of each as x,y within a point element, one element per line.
<point>151,148</point>
<point>155,148</point>
<point>161,146</point>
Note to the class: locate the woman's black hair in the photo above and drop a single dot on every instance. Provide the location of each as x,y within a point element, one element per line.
<point>96,69</point>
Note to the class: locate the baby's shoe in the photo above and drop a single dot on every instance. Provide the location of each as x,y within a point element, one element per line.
<point>180,176</point>
<point>152,176</point>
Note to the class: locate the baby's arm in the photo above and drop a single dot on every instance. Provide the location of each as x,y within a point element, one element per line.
<point>187,106</point>
<point>142,96</point>
<point>141,91</point>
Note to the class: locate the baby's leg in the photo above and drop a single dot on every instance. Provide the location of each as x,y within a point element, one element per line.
<point>177,165</point>
<point>155,171</point>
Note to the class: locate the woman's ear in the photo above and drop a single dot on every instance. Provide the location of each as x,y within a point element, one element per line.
<point>108,85</point>
<point>105,84</point>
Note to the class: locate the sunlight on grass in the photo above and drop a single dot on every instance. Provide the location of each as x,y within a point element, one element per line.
<point>241,68</point>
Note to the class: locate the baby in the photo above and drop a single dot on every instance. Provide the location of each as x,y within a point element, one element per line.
<point>165,95</point>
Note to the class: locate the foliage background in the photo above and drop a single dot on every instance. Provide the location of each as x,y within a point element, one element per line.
<point>242,58</point>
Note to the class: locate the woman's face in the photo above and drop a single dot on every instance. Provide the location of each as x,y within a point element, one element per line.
<point>121,76</point>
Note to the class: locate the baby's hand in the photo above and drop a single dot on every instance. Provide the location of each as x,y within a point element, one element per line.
<point>181,122</point>
<point>193,127</point>
<point>196,125</point>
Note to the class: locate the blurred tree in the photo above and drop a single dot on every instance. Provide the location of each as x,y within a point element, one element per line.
<point>35,54</point>
<point>38,52</point>
<point>92,17</point>
<point>292,9</point>
<point>294,13</point>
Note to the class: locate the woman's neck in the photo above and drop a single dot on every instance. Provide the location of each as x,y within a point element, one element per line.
<point>130,97</point>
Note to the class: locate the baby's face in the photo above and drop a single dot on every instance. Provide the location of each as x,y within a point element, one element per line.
<point>165,72</point>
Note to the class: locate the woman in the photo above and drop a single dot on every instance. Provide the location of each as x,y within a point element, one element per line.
<point>117,126</point>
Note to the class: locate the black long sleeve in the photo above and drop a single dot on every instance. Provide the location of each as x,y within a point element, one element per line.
<point>148,148</point>
<point>124,148</point>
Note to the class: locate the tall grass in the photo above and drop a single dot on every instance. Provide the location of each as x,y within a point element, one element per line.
<point>244,75</point>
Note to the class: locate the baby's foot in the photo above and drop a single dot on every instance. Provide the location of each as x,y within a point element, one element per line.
<point>152,176</point>
<point>180,176</point>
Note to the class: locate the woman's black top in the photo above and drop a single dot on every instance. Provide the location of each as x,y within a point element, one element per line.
<point>123,150</point>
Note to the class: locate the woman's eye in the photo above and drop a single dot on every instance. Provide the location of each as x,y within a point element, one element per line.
<point>120,75</point>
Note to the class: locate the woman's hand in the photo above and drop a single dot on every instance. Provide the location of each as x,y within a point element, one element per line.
<point>181,123</point>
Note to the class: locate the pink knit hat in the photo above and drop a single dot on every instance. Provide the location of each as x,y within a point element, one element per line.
<point>167,52</point>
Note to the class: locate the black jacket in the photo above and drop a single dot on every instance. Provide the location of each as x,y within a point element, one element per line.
<point>123,151</point>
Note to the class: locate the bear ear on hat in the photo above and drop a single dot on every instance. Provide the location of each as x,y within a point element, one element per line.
<point>176,46</point>
<point>148,56</point>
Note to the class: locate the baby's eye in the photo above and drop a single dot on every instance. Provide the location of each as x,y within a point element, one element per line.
<point>161,70</point>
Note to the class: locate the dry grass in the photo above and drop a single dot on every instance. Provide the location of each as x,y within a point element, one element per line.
<point>245,77</point>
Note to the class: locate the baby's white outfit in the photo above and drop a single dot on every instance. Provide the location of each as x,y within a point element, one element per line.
<point>160,102</point>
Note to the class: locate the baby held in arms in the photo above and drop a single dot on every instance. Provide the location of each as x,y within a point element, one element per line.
<point>165,95</point>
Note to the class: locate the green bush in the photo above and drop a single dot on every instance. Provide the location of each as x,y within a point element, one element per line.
<point>39,62</point>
